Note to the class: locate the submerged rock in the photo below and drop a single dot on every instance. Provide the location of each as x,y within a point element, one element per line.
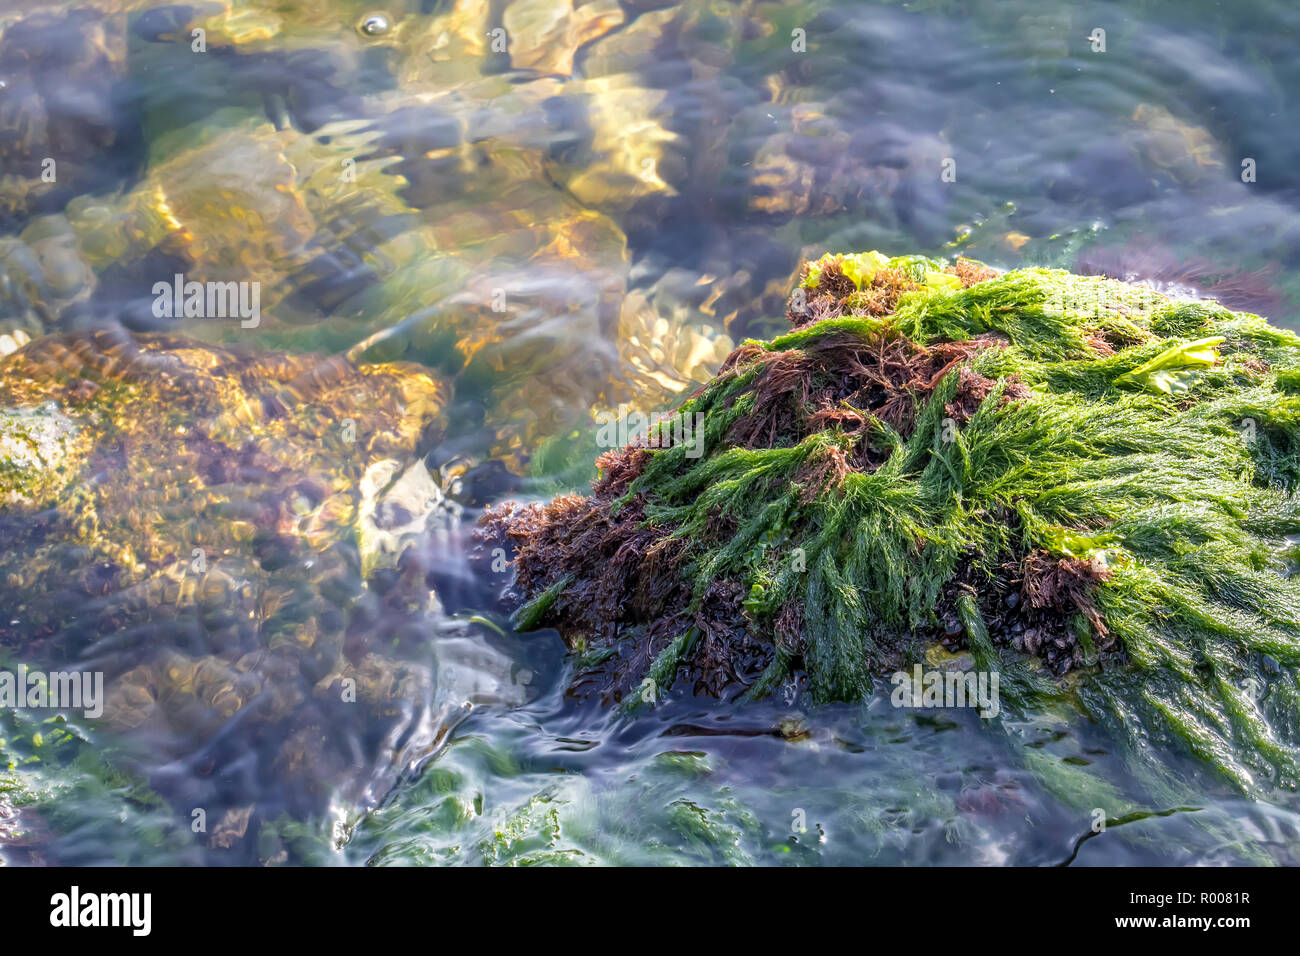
<point>546,34</point>
<point>319,229</point>
<point>1085,485</point>
<point>67,121</point>
<point>225,536</point>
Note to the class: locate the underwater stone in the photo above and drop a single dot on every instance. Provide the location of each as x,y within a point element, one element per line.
<point>545,34</point>
<point>191,522</point>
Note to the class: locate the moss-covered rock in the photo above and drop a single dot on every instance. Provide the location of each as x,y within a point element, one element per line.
<point>1085,484</point>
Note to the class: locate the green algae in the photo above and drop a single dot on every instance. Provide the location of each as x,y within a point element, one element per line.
<point>1174,370</point>
<point>858,268</point>
<point>61,779</point>
<point>1147,446</point>
<point>477,807</point>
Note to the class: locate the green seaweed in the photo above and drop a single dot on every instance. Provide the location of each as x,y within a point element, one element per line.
<point>1174,369</point>
<point>527,617</point>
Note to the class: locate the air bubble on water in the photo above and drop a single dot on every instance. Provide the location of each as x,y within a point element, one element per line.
<point>374,24</point>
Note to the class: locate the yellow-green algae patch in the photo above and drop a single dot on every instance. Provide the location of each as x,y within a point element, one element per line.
<point>1087,485</point>
<point>40,449</point>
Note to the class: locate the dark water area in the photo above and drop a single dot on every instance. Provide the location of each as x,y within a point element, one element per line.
<point>548,212</point>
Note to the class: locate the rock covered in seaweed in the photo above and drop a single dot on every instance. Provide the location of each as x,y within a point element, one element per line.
<point>1085,484</point>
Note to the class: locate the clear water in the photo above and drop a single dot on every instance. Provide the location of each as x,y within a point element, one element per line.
<point>643,199</point>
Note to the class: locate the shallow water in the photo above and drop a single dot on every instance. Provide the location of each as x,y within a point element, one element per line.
<point>594,217</point>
